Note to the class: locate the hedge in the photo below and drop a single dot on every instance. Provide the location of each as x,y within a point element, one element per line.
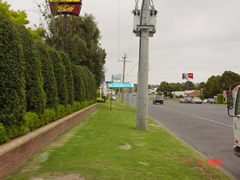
<point>69,76</point>
<point>12,77</point>
<point>60,76</point>
<point>49,85</point>
<point>35,97</point>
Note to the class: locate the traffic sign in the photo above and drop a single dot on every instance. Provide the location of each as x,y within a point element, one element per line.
<point>120,85</point>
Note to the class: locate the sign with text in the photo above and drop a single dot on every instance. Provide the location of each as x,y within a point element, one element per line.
<point>187,75</point>
<point>73,9</point>
<point>120,85</point>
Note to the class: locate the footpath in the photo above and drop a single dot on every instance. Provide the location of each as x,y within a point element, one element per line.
<point>106,145</point>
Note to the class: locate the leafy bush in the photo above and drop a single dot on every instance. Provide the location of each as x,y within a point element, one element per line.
<point>32,121</point>
<point>220,99</point>
<point>68,109</point>
<point>3,136</point>
<point>76,106</point>
<point>201,96</point>
<point>61,111</point>
<point>48,116</point>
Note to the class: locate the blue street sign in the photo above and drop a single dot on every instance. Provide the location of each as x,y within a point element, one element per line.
<point>120,85</point>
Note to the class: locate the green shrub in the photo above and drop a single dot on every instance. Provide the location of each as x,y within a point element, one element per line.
<point>12,77</point>
<point>69,76</point>
<point>76,106</point>
<point>60,76</point>
<point>32,121</point>
<point>48,116</point>
<point>49,85</point>
<point>220,99</point>
<point>79,87</point>
<point>3,135</point>
<point>100,100</point>
<point>35,96</point>
<point>201,96</point>
<point>69,109</point>
<point>61,111</point>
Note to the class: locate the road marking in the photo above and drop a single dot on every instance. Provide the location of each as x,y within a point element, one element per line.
<point>206,119</point>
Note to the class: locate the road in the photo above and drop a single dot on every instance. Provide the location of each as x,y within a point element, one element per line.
<point>205,127</point>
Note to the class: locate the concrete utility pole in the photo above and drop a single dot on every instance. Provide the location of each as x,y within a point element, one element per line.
<point>142,99</point>
<point>124,64</point>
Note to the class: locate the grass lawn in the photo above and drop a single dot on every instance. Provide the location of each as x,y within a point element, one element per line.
<point>107,145</point>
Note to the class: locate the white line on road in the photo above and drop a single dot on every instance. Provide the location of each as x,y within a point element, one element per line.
<point>210,120</point>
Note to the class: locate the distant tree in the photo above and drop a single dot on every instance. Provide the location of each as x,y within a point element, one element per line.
<point>229,78</point>
<point>60,76</point>
<point>213,86</point>
<point>12,77</point>
<point>190,84</point>
<point>49,85</point>
<point>16,17</point>
<point>35,96</point>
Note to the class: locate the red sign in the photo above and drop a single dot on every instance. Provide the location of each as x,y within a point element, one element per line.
<point>73,9</point>
<point>187,75</point>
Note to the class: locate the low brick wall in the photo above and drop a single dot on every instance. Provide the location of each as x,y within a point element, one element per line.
<point>15,152</point>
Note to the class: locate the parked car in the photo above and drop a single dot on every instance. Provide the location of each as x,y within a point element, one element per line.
<point>197,100</point>
<point>211,101</point>
<point>188,100</point>
<point>181,100</point>
<point>205,101</point>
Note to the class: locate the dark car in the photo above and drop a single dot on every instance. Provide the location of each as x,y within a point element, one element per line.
<point>188,100</point>
<point>211,101</point>
<point>158,99</point>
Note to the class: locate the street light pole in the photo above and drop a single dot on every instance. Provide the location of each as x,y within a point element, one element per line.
<point>142,99</point>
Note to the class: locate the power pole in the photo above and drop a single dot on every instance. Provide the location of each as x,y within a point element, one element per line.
<point>144,27</point>
<point>124,64</point>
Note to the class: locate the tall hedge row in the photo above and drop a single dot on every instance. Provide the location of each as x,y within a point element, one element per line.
<point>37,84</point>
<point>35,97</point>
<point>49,85</point>
<point>12,80</point>
<point>60,76</point>
<point>69,76</point>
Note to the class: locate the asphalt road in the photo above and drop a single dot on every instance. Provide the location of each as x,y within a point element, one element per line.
<point>205,127</point>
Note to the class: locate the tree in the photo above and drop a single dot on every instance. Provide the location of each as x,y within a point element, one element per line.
<point>83,42</point>
<point>213,86</point>
<point>49,85</point>
<point>60,76</point>
<point>69,76</point>
<point>229,78</point>
<point>12,77</point>
<point>35,96</point>
<point>16,17</point>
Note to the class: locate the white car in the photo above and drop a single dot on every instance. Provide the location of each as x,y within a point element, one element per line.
<point>197,100</point>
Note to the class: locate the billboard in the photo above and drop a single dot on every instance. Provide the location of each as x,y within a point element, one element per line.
<point>65,1</point>
<point>73,9</point>
<point>187,75</point>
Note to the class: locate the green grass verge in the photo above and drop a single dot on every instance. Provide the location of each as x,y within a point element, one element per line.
<point>93,150</point>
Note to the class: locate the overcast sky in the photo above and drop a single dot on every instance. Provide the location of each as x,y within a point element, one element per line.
<point>193,36</point>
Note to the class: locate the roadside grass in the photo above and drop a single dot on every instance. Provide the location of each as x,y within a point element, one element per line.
<point>107,145</point>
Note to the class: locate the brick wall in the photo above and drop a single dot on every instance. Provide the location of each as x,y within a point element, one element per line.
<point>15,152</point>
